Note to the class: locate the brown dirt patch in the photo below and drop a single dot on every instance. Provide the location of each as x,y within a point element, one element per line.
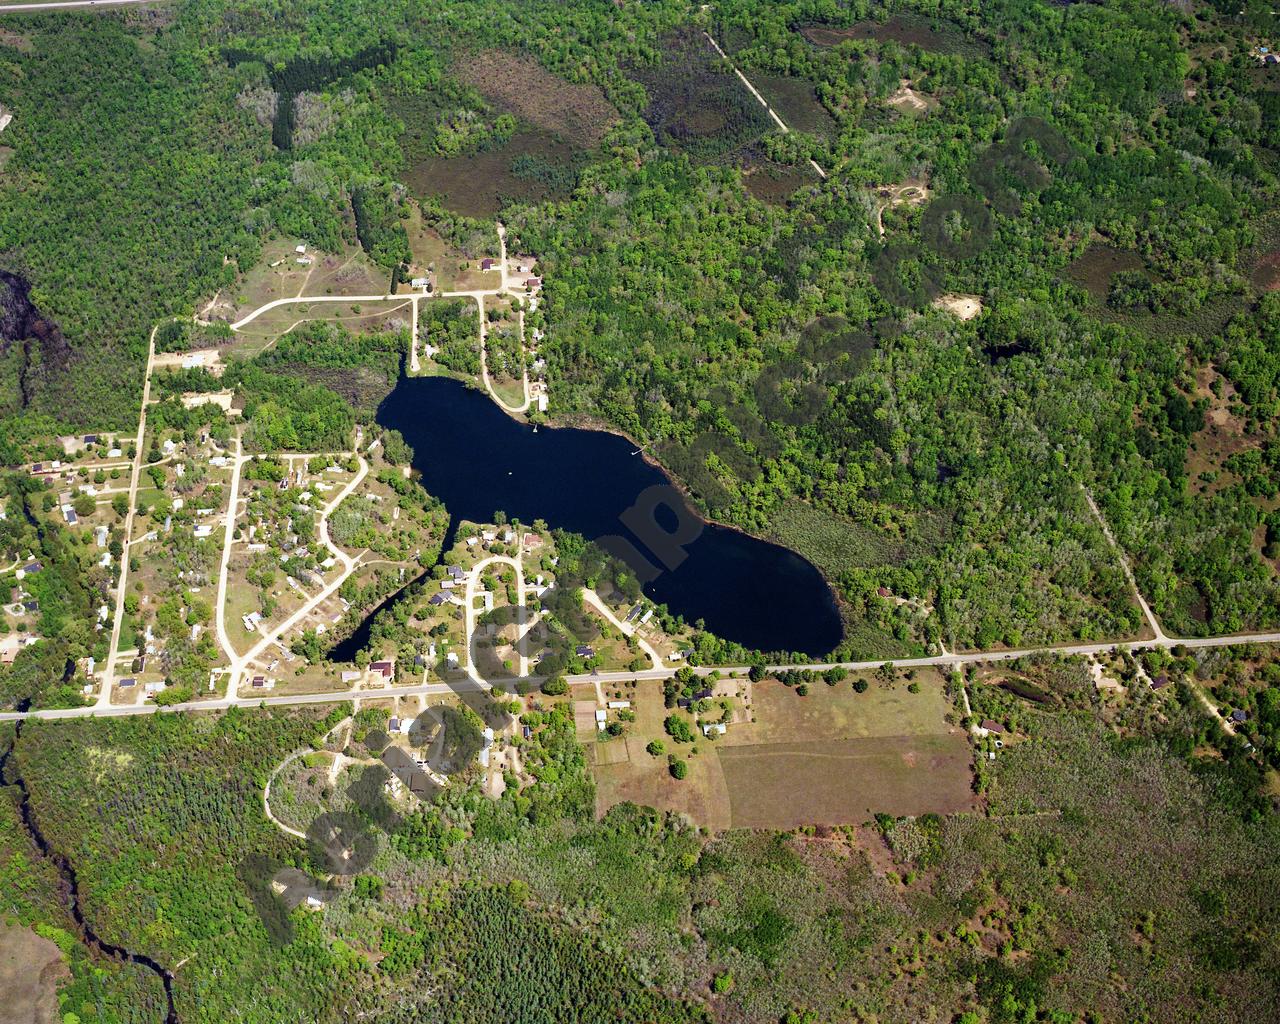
<point>784,785</point>
<point>31,969</point>
<point>965,307</point>
<point>16,40</point>
<point>578,113</point>
<point>907,101</point>
<point>1222,436</point>
<point>1266,275</point>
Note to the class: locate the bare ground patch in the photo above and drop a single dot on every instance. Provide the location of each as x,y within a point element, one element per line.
<point>31,967</point>
<point>908,101</point>
<point>578,113</point>
<point>964,307</point>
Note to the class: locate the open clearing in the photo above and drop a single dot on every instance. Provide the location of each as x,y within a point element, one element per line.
<point>910,102</point>
<point>279,275</point>
<point>796,101</point>
<point>965,307</point>
<point>832,757</point>
<point>30,969</point>
<point>580,114</point>
<point>696,104</point>
<point>532,166</point>
<point>906,30</point>
<point>784,785</point>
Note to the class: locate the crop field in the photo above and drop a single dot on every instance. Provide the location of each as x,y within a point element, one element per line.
<point>579,114</point>
<point>697,105</point>
<point>533,166</point>
<point>834,756</point>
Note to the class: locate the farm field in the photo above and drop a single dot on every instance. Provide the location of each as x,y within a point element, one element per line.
<point>831,757</point>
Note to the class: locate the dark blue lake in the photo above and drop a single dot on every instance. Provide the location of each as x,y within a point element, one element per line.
<point>478,460</point>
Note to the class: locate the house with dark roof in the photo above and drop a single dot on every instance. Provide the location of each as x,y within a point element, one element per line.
<point>383,668</point>
<point>1239,716</point>
<point>583,651</point>
<point>1160,682</point>
<point>991,725</point>
<point>488,264</point>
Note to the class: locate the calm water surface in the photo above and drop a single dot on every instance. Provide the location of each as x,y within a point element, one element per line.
<point>478,460</point>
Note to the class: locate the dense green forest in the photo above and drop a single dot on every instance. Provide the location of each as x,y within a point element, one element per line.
<point>1100,178</point>
<point>943,456</point>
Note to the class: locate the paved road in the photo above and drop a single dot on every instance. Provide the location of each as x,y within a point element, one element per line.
<point>439,689</point>
<point>220,601</point>
<point>239,664</point>
<point>113,652</point>
<point>64,4</point>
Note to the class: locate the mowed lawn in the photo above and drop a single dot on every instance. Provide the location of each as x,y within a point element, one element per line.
<point>832,757</point>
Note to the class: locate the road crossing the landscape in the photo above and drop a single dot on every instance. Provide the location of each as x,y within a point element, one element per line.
<point>440,689</point>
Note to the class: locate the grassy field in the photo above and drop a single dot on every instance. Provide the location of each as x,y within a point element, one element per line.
<point>261,333</point>
<point>451,269</point>
<point>835,782</point>
<point>625,771</point>
<point>832,757</point>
